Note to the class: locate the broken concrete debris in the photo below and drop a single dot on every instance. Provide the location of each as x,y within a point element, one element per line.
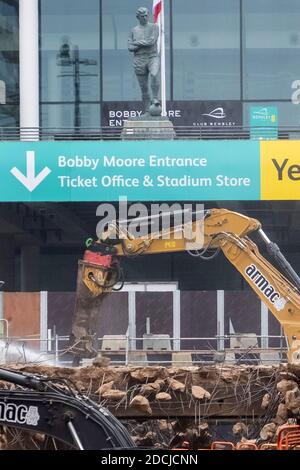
<point>165,407</point>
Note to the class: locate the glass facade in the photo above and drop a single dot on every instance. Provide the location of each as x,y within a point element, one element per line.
<point>206,50</point>
<point>70,63</point>
<point>237,50</point>
<point>9,63</point>
<point>271,41</point>
<point>241,50</point>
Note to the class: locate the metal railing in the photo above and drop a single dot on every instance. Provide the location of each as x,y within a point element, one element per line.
<point>180,132</point>
<point>56,350</point>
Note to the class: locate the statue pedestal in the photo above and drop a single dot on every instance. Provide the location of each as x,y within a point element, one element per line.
<point>148,129</point>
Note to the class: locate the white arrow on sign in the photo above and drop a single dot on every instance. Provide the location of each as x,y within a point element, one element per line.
<point>30,181</point>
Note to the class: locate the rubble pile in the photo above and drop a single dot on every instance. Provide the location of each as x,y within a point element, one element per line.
<point>282,404</point>
<point>160,392</point>
<point>168,407</point>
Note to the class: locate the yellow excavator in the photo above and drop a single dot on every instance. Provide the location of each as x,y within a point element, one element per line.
<point>220,230</point>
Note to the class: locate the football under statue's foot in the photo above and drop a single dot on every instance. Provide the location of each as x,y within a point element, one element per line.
<point>155,108</point>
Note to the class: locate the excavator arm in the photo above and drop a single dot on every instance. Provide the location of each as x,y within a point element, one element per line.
<point>55,408</point>
<point>273,288</point>
<point>219,229</point>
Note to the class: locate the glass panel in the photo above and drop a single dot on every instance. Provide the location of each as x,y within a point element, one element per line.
<point>119,81</point>
<point>9,115</point>
<point>271,54</point>
<point>206,38</point>
<point>9,60</point>
<point>158,308</point>
<point>70,61</point>
<point>63,115</point>
<point>198,319</point>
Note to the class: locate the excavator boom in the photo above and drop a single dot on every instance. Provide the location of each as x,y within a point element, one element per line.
<point>274,289</point>
<point>220,229</point>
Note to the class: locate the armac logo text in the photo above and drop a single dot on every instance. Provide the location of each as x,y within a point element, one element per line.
<point>19,414</point>
<point>262,283</point>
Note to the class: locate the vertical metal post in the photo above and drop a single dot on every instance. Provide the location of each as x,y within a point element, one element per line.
<point>264,326</point>
<point>176,320</point>
<point>163,61</point>
<point>1,305</point>
<point>127,348</point>
<point>43,321</point>
<point>1,314</point>
<point>148,325</point>
<point>220,320</point>
<point>56,349</point>
<point>3,321</point>
<point>49,338</point>
<point>2,92</point>
<point>132,319</point>
<point>4,331</point>
<point>29,69</point>
<point>76,63</point>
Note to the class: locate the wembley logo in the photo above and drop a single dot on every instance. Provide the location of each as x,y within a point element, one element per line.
<point>217,113</point>
<point>262,112</point>
<point>265,287</point>
<point>19,414</point>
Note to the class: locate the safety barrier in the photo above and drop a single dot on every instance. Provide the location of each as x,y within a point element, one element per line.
<point>288,439</point>
<point>118,348</point>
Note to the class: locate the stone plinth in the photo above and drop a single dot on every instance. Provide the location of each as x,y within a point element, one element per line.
<point>161,129</point>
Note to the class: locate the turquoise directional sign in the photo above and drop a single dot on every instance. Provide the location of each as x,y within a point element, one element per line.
<point>141,171</point>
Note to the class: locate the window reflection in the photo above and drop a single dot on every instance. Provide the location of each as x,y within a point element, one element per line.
<point>79,22</point>
<point>206,42</point>
<point>271,48</point>
<point>70,58</point>
<point>206,55</point>
<point>56,116</point>
<point>9,63</point>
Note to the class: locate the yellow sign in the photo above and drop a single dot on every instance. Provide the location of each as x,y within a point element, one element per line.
<point>280,170</point>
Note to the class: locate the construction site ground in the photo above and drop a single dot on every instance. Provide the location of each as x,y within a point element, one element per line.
<point>162,407</point>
